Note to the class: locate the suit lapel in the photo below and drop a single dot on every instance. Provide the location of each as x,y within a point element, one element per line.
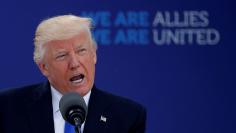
<point>40,111</point>
<point>96,119</point>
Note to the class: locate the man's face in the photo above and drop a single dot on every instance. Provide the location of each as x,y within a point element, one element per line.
<point>69,64</point>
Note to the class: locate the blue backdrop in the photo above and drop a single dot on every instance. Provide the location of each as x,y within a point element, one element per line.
<point>177,58</point>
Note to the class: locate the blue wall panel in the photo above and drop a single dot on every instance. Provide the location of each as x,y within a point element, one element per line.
<point>187,84</point>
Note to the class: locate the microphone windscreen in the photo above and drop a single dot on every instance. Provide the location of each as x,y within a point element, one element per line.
<point>71,101</point>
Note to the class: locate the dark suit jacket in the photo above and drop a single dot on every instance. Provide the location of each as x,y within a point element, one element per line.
<point>29,110</point>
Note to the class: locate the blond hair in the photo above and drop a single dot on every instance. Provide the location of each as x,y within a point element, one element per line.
<point>58,28</point>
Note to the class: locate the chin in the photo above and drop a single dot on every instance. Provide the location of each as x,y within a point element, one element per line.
<point>82,91</point>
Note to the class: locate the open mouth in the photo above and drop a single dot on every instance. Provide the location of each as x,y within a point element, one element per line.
<point>77,79</point>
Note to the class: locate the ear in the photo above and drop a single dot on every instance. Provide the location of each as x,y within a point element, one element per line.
<point>94,56</point>
<point>43,68</point>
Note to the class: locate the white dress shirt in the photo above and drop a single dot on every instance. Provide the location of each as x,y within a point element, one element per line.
<point>59,122</point>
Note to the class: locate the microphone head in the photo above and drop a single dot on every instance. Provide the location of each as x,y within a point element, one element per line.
<point>72,106</point>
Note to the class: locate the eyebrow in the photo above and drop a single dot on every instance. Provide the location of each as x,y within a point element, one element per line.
<point>80,46</point>
<point>60,51</point>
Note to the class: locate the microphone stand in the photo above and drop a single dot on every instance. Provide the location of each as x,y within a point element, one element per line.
<point>77,125</point>
<point>77,129</point>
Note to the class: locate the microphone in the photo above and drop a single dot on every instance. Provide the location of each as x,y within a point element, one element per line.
<point>73,109</point>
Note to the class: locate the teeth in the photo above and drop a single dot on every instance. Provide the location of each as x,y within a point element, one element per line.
<point>77,81</point>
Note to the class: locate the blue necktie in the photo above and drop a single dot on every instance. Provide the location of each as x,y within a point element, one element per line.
<point>69,128</point>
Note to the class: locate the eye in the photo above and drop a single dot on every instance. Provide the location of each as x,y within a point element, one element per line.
<point>61,56</point>
<point>81,50</point>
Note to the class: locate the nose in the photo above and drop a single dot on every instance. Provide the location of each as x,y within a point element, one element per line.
<point>74,62</point>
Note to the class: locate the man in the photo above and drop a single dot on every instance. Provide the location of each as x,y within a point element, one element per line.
<point>66,54</point>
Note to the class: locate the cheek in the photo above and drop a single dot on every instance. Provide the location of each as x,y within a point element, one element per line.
<point>89,65</point>
<point>57,69</point>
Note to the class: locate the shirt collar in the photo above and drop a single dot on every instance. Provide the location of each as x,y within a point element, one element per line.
<point>56,96</point>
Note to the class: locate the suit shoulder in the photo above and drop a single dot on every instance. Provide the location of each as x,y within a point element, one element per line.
<point>115,100</point>
<point>19,91</point>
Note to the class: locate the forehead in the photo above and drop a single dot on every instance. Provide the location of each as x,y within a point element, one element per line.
<point>83,39</point>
